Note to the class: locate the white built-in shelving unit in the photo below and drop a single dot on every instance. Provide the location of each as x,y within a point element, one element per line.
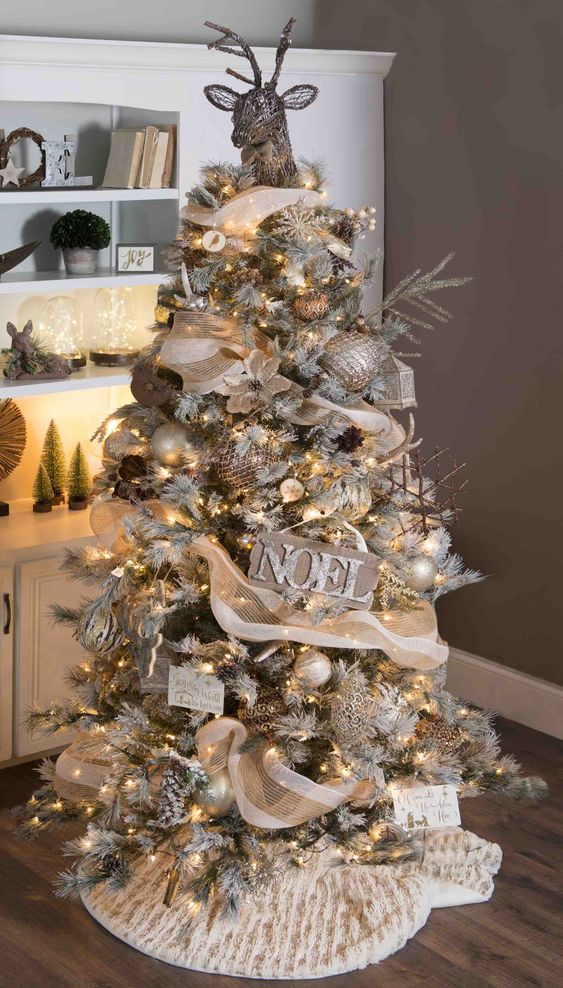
<point>60,86</point>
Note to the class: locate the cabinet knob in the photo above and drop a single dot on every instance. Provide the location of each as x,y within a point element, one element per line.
<point>8,606</point>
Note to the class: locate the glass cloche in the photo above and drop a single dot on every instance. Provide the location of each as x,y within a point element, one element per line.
<point>113,341</point>
<point>61,328</point>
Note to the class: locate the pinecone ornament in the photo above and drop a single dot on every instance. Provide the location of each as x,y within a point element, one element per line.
<point>352,358</point>
<point>352,706</point>
<point>173,792</point>
<point>311,305</point>
<point>350,440</point>
<point>240,470</point>
<point>261,716</point>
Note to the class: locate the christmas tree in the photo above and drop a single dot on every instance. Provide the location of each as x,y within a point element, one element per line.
<point>265,670</point>
<point>53,459</point>
<point>79,479</point>
<point>42,490</point>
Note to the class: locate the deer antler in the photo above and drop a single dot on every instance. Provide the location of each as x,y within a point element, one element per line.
<point>403,448</point>
<point>245,52</point>
<point>285,42</point>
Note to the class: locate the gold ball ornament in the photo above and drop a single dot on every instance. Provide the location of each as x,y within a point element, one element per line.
<point>219,796</point>
<point>351,708</point>
<point>260,717</point>
<point>311,305</point>
<point>170,445</point>
<point>312,668</point>
<point>291,490</point>
<point>240,470</point>
<point>419,572</point>
<point>447,736</point>
<point>352,358</point>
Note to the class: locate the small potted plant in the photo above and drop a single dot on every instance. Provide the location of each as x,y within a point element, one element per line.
<point>42,491</point>
<point>80,235</point>
<point>79,480</point>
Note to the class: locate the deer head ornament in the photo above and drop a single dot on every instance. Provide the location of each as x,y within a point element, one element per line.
<point>258,115</point>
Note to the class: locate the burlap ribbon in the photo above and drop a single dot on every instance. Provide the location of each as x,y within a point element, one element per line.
<point>251,613</point>
<point>245,211</point>
<point>268,794</point>
<point>203,347</point>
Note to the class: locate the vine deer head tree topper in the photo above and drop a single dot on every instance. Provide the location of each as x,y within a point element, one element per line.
<point>259,120</point>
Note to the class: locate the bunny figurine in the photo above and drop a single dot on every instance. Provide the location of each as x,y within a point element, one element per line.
<point>29,361</point>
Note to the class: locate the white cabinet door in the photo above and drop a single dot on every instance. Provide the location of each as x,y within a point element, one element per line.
<point>44,650</point>
<point>6,659</point>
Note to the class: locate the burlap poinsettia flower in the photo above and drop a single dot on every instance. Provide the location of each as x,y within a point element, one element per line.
<point>258,383</point>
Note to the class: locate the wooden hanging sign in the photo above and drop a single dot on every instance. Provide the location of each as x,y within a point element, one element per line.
<point>282,561</point>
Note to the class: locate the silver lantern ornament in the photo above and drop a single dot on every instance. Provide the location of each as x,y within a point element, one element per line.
<point>398,384</point>
<point>312,668</point>
<point>171,444</point>
<point>419,572</point>
<point>352,358</point>
<point>219,796</point>
<point>240,470</point>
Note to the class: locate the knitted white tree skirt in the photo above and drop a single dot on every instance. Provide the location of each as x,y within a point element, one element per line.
<point>313,922</point>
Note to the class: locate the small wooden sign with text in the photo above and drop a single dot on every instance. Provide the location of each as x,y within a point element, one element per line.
<point>195,691</point>
<point>419,807</point>
<point>280,560</point>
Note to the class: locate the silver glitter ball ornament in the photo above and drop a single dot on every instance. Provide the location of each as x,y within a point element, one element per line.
<point>99,631</point>
<point>291,489</point>
<point>419,572</point>
<point>312,668</point>
<point>240,470</point>
<point>261,716</point>
<point>170,444</point>
<point>352,358</point>
<point>219,795</point>
<point>352,707</point>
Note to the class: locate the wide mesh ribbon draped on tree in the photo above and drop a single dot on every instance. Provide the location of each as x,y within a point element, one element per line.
<point>409,638</point>
<point>246,210</point>
<point>202,347</point>
<point>270,795</point>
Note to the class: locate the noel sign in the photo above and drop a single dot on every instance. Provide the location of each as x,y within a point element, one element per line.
<point>419,807</point>
<point>282,561</point>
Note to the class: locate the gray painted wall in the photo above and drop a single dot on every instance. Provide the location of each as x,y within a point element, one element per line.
<point>474,125</point>
<point>474,147</point>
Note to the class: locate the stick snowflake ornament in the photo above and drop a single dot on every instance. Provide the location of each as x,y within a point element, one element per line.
<point>259,115</point>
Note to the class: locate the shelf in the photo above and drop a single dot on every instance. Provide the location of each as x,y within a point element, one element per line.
<point>23,529</point>
<point>89,377</point>
<point>20,196</point>
<point>16,282</point>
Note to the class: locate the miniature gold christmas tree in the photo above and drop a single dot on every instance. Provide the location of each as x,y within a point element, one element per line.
<point>53,459</point>
<point>42,491</point>
<point>79,480</point>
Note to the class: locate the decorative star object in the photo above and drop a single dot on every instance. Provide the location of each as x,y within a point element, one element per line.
<point>10,175</point>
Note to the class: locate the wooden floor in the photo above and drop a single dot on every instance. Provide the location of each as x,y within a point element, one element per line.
<point>509,942</point>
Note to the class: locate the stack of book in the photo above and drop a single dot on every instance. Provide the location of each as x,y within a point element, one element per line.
<point>141,158</point>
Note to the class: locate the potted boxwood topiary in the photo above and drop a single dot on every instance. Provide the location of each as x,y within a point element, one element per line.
<point>80,235</point>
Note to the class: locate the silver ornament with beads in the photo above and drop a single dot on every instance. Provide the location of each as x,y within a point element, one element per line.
<point>352,706</point>
<point>352,358</point>
<point>312,668</point>
<point>419,572</point>
<point>241,469</point>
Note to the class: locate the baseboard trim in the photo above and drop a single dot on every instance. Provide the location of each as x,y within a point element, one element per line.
<point>513,694</point>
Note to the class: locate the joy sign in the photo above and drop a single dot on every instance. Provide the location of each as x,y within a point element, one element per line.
<point>134,258</point>
<point>280,561</point>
